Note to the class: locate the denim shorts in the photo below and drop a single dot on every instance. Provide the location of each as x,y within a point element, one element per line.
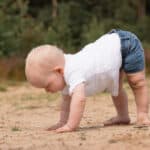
<point>133,59</point>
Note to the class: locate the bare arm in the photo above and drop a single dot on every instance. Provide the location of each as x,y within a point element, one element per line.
<point>76,110</point>
<point>65,108</point>
<point>64,113</point>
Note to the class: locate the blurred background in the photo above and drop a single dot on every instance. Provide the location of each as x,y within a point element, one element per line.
<point>69,24</point>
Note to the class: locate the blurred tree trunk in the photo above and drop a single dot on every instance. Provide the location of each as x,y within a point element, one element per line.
<point>23,6</point>
<point>141,8</point>
<point>54,8</point>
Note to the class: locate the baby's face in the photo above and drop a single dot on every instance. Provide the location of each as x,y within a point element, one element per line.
<point>55,82</point>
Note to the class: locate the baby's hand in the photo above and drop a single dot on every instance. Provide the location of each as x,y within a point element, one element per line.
<point>56,126</point>
<point>65,128</point>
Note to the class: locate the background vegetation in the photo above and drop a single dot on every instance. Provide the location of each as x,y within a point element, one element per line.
<point>69,24</point>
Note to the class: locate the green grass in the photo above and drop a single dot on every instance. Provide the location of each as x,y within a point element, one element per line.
<point>34,101</point>
<point>30,107</point>
<point>47,96</point>
<point>3,88</point>
<point>11,82</point>
<point>7,83</point>
<point>15,129</point>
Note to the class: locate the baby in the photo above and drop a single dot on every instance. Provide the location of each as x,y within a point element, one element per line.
<point>97,67</point>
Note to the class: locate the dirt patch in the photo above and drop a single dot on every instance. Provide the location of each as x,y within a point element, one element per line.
<point>26,112</point>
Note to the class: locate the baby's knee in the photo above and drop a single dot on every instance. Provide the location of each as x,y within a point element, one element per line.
<point>137,83</point>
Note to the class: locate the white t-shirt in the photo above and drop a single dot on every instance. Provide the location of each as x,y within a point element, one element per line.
<point>97,65</point>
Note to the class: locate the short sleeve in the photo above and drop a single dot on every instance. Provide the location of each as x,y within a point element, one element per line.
<point>73,80</point>
<point>74,72</point>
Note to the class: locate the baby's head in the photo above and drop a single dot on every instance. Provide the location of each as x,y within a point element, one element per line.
<point>44,68</point>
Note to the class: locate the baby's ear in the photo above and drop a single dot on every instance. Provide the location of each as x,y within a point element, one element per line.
<point>59,70</point>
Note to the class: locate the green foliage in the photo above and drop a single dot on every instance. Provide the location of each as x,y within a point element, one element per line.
<point>19,32</point>
<point>28,23</point>
<point>94,30</point>
<point>25,24</point>
<point>59,31</point>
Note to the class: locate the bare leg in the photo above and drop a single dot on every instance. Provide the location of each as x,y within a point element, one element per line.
<point>121,105</point>
<point>137,82</point>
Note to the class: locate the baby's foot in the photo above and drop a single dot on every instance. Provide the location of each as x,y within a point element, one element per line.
<point>54,127</point>
<point>143,120</point>
<point>117,121</point>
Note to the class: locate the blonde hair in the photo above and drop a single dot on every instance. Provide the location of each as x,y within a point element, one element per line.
<point>40,61</point>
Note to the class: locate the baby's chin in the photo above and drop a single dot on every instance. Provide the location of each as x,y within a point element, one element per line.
<point>38,85</point>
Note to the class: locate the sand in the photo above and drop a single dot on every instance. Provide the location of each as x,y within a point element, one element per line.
<point>25,113</point>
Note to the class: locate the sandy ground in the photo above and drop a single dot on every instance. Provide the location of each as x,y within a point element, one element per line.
<point>25,113</point>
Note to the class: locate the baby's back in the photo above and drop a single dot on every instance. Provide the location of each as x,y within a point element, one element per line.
<point>97,64</point>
